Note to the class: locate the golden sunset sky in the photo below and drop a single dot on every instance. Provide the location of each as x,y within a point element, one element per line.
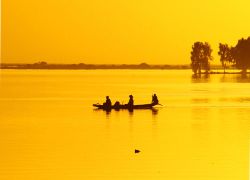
<point>118,31</point>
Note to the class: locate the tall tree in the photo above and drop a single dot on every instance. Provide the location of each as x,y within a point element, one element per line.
<point>200,57</point>
<point>242,54</point>
<point>226,55</point>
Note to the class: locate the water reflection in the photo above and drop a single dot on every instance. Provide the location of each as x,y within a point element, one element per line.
<point>131,112</point>
<point>225,78</point>
<point>242,79</point>
<point>155,112</point>
<point>201,78</point>
<point>108,114</point>
<point>235,99</point>
<point>235,78</point>
<point>200,100</point>
<point>154,124</point>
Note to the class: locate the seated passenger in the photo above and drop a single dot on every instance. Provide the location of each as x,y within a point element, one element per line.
<point>130,102</point>
<point>117,105</point>
<point>155,99</point>
<point>108,103</point>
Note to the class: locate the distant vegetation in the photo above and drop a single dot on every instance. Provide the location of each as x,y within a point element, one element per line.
<point>45,65</point>
<point>226,57</point>
<point>237,57</point>
<point>200,57</point>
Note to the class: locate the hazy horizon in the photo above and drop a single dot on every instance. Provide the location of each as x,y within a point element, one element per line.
<point>68,63</point>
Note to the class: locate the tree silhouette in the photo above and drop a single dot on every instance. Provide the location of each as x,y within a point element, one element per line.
<point>226,55</point>
<point>241,54</point>
<point>200,57</point>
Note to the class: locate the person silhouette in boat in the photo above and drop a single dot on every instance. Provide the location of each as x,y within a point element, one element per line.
<point>117,105</point>
<point>155,100</point>
<point>130,102</point>
<point>107,104</point>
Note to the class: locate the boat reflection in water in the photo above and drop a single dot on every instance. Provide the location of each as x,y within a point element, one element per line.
<point>131,111</point>
<point>108,111</point>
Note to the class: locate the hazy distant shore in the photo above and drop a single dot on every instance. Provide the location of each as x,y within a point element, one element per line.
<point>44,65</point>
<point>215,69</point>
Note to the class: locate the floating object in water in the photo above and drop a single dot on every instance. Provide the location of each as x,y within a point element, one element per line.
<point>137,151</point>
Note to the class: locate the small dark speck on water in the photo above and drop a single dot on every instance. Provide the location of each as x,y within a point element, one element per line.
<point>137,151</point>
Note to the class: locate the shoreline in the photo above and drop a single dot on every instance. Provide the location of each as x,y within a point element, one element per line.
<point>216,69</point>
<point>224,73</point>
<point>91,66</point>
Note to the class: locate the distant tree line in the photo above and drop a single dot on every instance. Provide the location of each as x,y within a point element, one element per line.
<point>45,65</point>
<point>238,56</point>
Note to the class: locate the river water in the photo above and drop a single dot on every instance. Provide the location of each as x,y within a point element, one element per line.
<point>49,129</point>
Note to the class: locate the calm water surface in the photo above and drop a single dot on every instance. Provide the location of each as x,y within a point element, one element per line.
<point>49,130</point>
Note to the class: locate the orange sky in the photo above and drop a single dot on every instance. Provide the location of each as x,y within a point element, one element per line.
<point>118,31</point>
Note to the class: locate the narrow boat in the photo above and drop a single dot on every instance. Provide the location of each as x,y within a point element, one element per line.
<point>124,106</point>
